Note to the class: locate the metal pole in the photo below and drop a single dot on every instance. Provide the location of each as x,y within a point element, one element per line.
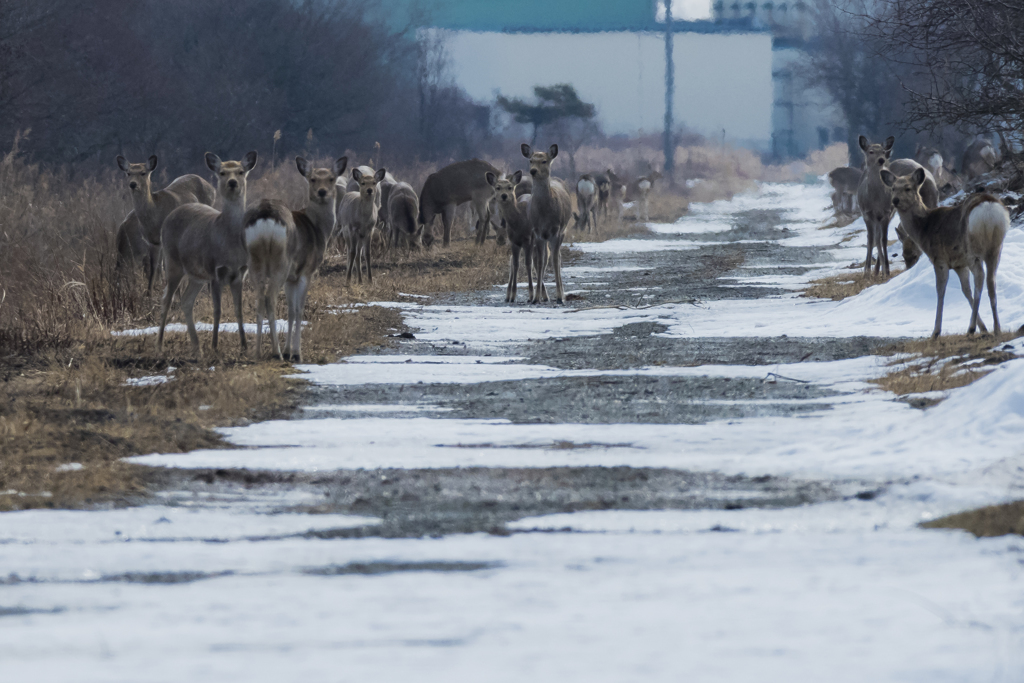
<point>670,86</point>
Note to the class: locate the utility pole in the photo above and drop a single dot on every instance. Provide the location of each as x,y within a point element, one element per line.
<point>670,87</point>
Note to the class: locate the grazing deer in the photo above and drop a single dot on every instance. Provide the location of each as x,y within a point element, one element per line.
<point>963,238</point>
<point>152,208</point>
<point>451,186</point>
<point>845,181</point>
<point>586,203</point>
<point>357,217</point>
<point>208,246</point>
<point>286,248</point>
<point>876,201</point>
<point>549,213</point>
<point>979,158</point>
<point>519,232</point>
<point>641,192</point>
<point>403,208</point>
<point>133,247</point>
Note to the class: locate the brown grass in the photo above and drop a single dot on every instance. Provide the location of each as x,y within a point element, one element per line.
<point>994,520</point>
<point>939,365</point>
<point>839,287</point>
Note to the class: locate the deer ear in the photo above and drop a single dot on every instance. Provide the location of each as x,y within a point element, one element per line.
<point>213,162</point>
<point>525,148</point>
<point>249,162</point>
<point>122,163</point>
<point>151,164</point>
<point>889,141</point>
<point>888,177</point>
<point>863,142</point>
<point>491,178</point>
<point>356,174</point>
<point>340,165</point>
<point>516,177</point>
<point>379,175</point>
<point>303,166</point>
<point>553,151</point>
<point>919,177</point>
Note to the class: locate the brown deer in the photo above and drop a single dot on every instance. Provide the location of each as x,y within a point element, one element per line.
<point>458,183</point>
<point>641,192</point>
<point>932,159</point>
<point>518,230</point>
<point>132,248</point>
<point>875,199</point>
<point>152,208</point>
<point>549,213</point>
<point>208,246</point>
<point>357,217</point>
<point>403,208</point>
<point>963,238</point>
<point>845,181</point>
<point>586,203</point>
<point>979,158</point>
<point>286,248</point>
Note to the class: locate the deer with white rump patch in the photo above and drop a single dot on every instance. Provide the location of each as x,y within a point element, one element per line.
<point>286,248</point>
<point>518,230</point>
<point>208,246</point>
<point>586,203</point>
<point>357,217</point>
<point>550,210</point>
<point>963,238</point>
<point>644,185</point>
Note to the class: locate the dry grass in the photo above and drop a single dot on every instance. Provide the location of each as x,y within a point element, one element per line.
<point>949,362</point>
<point>839,287</point>
<point>994,520</point>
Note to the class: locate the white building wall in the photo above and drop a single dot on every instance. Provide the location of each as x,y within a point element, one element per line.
<point>722,80</point>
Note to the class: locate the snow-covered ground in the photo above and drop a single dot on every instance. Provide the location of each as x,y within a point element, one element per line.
<point>841,591</point>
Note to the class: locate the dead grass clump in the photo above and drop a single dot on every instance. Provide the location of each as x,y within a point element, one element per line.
<point>839,287</point>
<point>994,520</point>
<point>926,365</point>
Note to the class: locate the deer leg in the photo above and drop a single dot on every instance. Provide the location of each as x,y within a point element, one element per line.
<point>556,257</point>
<point>272,291</point>
<point>542,266</point>
<point>511,287</point>
<point>216,292</point>
<point>447,218</point>
<point>173,280</point>
<point>289,297</point>
<point>991,264</point>
<point>869,223</point>
<point>979,284</point>
<point>883,247</point>
<point>350,252</point>
<point>188,301</point>
<point>366,253</point>
<point>300,299</point>
<point>483,222</point>
<point>941,277</point>
<point>236,296</point>
<point>965,287</point>
<point>260,282</point>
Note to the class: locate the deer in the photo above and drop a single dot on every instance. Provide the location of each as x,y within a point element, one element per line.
<point>876,202</point>
<point>403,208</point>
<point>132,248</point>
<point>518,229</point>
<point>586,203</point>
<point>357,217</point>
<point>845,181</point>
<point>209,246</point>
<point>455,184</point>
<point>604,191</point>
<point>152,208</point>
<point>964,238</point>
<point>642,190</point>
<point>286,249</point>
<point>979,158</point>
<point>932,159</point>
<point>549,213</point>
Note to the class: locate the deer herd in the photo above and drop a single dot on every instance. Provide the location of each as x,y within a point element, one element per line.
<point>281,248</point>
<point>966,238</point>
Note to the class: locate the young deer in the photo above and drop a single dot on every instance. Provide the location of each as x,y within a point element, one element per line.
<point>586,203</point>
<point>132,248</point>
<point>403,207</point>
<point>453,185</point>
<point>961,238</point>
<point>875,199</point>
<point>519,232</point>
<point>286,248</point>
<point>357,217</point>
<point>845,181</point>
<point>152,208</point>
<point>549,213</point>
<point>208,246</point>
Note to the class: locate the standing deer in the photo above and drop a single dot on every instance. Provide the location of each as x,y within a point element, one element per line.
<point>963,238</point>
<point>453,185</point>
<point>152,208</point>
<point>357,217</point>
<point>133,247</point>
<point>604,191</point>
<point>642,191</point>
<point>286,248</point>
<point>845,181</point>
<point>931,158</point>
<point>403,207</point>
<point>519,232</point>
<point>208,246</point>
<point>876,201</point>
<point>586,203</point>
<point>549,213</point>
<point>979,158</point>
